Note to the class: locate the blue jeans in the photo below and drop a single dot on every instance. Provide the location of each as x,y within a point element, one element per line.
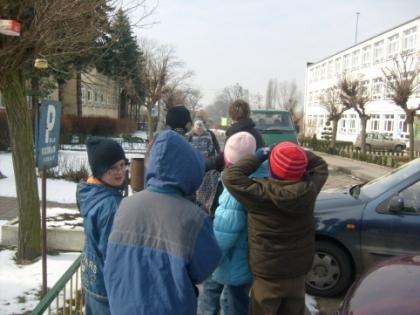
<point>210,298</point>
<point>237,299</point>
<point>232,300</point>
<point>96,305</point>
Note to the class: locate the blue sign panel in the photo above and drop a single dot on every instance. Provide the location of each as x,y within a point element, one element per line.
<point>48,134</point>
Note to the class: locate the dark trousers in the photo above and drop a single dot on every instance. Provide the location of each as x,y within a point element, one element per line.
<point>278,296</point>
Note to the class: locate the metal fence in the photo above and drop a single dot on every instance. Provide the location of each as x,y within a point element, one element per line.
<point>66,296</point>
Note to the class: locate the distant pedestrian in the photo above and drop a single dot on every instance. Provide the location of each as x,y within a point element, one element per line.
<point>201,139</point>
<point>98,199</point>
<point>280,223</point>
<point>240,114</point>
<point>162,244</point>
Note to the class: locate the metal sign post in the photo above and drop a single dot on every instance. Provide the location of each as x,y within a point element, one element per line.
<point>47,141</point>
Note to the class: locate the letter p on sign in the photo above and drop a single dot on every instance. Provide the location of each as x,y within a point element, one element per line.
<point>50,122</point>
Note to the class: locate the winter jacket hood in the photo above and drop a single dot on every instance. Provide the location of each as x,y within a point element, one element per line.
<point>174,165</point>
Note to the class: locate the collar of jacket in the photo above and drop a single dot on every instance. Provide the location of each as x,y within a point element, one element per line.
<point>167,190</point>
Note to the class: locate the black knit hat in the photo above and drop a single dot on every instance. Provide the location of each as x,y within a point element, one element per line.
<point>178,117</point>
<point>102,154</point>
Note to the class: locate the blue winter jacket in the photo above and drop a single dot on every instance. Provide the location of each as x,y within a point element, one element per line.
<point>97,204</point>
<point>231,230</point>
<point>161,244</point>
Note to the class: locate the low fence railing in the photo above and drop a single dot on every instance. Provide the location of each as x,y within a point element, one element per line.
<point>66,297</point>
<point>347,149</point>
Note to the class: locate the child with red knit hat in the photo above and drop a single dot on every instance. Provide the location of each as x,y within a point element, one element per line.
<point>281,232</point>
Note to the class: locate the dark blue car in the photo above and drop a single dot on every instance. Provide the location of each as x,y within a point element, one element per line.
<point>365,224</point>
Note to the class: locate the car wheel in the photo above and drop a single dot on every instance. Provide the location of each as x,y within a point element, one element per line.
<point>398,148</point>
<point>331,271</point>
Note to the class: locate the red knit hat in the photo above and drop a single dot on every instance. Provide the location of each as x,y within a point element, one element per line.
<point>288,161</point>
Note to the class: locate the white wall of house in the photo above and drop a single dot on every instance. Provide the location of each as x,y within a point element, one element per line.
<point>365,61</point>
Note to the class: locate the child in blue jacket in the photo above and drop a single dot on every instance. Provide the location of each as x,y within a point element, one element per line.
<point>162,244</point>
<point>98,199</point>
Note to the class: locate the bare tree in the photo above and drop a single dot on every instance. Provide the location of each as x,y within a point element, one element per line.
<point>220,105</point>
<point>401,80</point>
<point>50,29</point>
<point>288,98</point>
<point>353,95</point>
<point>330,100</point>
<point>162,73</point>
<point>271,94</point>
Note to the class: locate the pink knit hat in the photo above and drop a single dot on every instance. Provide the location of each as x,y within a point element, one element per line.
<point>239,145</point>
<point>288,161</point>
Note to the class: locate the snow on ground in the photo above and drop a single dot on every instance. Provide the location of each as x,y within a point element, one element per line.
<point>20,284</point>
<point>58,190</point>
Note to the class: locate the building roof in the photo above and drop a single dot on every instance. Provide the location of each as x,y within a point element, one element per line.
<point>309,64</point>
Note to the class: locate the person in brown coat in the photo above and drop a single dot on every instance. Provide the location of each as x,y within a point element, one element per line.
<point>281,231</point>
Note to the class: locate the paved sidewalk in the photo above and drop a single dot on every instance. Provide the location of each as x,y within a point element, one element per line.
<point>363,170</point>
<point>9,208</point>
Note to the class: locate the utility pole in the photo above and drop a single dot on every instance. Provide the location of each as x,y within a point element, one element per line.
<point>357,23</point>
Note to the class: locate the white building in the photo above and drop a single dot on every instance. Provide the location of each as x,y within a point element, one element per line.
<point>365,60</point>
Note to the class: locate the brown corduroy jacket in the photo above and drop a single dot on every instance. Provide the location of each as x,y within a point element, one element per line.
<point>280,216</point>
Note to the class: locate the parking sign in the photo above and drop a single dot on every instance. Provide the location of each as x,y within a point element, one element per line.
<point>48,134</point>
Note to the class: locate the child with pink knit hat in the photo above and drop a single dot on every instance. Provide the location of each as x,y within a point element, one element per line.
<point>231,231</point>
<point>280,223</point>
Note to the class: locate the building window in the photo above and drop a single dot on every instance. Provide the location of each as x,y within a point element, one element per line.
<point>89,95</point>
<point>392,47</point>
<point>338,66</point>
<point>402,125</point>
<point>102,99</point>
<point>317,73</point>
<point>374,122</point>
<point>409,40</point>
<point>365,86</point>
<point>311,75</point>
<point>378,52</point>
<point>389,91</point>
<point>346,63</point>
<point>388,123</point>
<point>366,57</point>
<point>330,69</point>
<point>343,127</point>
<point>323,71</point>
<point>355,60</point>
<point>377,89</point>
<point>352,123</point>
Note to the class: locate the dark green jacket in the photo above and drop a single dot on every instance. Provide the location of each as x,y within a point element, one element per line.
<point>280,216</point>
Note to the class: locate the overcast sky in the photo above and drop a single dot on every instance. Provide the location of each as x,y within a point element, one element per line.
<point>250,41</point>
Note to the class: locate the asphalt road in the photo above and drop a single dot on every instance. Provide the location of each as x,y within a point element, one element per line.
<point>336,180</point>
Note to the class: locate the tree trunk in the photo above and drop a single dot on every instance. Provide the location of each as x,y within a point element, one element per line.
<point>150,123</point>
<point>410,124</point>
<point>363,123</point>
<point>79,92</point>
<point>334,134</point>
<point>35,93</point>
<point>123,103</point>
<point>60,84</point>
<point>21,137</point>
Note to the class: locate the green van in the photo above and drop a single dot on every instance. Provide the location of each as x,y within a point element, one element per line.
<point>275,125</point>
